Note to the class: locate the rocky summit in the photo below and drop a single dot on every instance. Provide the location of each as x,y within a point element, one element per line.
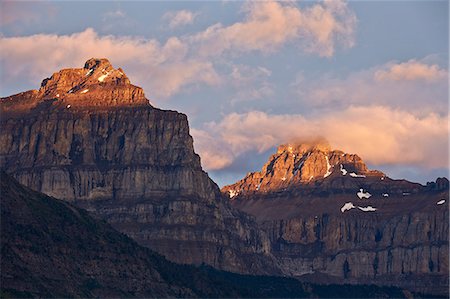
<point>330,218</point>
<point>90,137</point>
<point>312,166</point>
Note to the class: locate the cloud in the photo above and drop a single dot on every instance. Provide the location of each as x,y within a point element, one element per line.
<point>179,18</point>
<point>406,86</point>
<point>166,68</point>
<point>214,152</point>
<point>379,134</point>
<point>162,69</point>
<point>268,25</point>
<point>411,70</point>
<point>250,83</point>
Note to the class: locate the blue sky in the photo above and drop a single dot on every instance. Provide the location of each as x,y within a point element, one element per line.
<point>370,76</point>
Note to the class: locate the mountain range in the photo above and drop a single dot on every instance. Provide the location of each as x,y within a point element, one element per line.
<point>91,138</point>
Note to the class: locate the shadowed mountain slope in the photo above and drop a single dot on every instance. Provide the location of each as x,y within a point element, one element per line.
<point>50,248</point>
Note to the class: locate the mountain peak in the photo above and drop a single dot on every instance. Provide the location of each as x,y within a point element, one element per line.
<point>303,146</point>
<point>94,63</point>
<point>304,164</point>
<point>96,71</point>
<point>97,84</point>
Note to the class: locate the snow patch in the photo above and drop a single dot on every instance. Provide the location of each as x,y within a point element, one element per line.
<point>283,178</point>
<point>258,186</point>
<point>70,91</point>
<point>385,195</point>
<point>343,170</point>
<point>361,194</point>
<point>311,177</point>
<point>102,77</point>
<point>441,202</point>
<point>68,106</point>
<point>347,206</point>
<point>84,91</point>
<point>382,178</point>
<point>328,168</point>
<point>233,193</point>
<point>57,95</point>
<point>406,193</point>
<point>352,174</point>
<point>367,209</point>
<point>89,72</point>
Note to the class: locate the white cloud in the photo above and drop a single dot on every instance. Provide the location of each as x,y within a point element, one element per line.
<point>268,25</point>
<point>411,70</point>
<point>179,18</point>
<point>381,135</point>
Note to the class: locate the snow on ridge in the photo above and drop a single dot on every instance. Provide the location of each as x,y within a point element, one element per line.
<point>102,77</point>
<point>347,207</point>
<point>361,194</point>
<point>84,91</point>
<point>352,174</point>
<point>441,202</point>
<point>367,209</point>
<point>328,167</point>
<point>343,170</point>
<point>233,193</point>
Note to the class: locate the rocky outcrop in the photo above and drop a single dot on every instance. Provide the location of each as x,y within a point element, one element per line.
<point>348,224</point>
<point>90,137</point>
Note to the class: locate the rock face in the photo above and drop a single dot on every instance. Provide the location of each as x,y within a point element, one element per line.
<point>314,167</point>
<point>90,137</point>
<point>52,249</point>
<point>348,224</point>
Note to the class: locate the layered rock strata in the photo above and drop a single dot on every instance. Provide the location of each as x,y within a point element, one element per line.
<point>330,219</point>
<point>91,137</point>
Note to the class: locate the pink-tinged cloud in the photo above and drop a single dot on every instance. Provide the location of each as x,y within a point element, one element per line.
<point>268,25</point>
<point>162,69</point>
<point>376,86</point>
<point>214,152</point>
<point>381,135</point>
<point>179,18</point>
<point>411,70</point>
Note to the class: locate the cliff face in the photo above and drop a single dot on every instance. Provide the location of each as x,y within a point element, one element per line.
<point>90,137</point>
<point>51,249</point>
<point>348,224</point>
